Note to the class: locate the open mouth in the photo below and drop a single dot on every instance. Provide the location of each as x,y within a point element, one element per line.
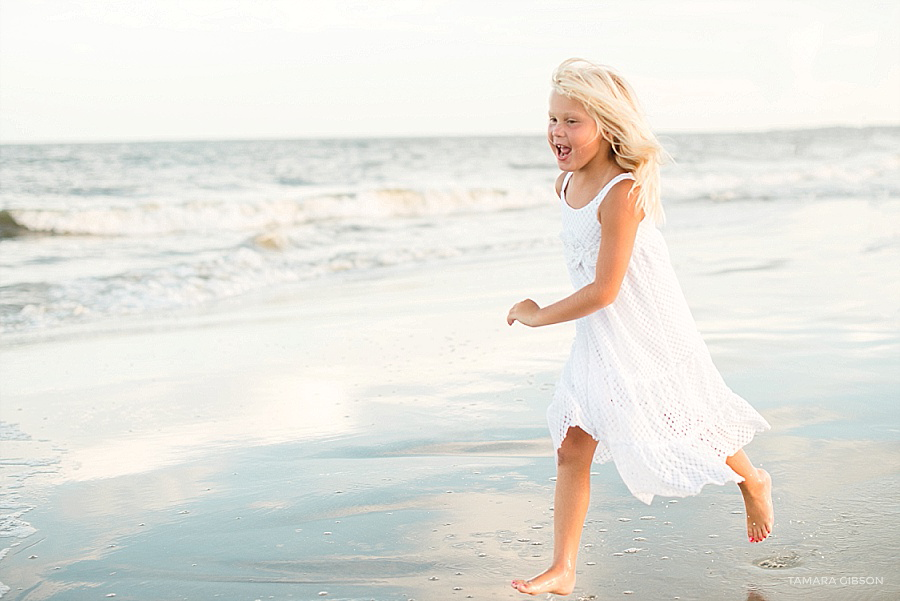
<point>562,151</point>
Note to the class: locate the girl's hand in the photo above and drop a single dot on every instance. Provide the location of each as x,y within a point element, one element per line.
<point>524,312</point>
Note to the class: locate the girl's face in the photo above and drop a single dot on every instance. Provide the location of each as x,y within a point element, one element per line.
<point>573,134</point>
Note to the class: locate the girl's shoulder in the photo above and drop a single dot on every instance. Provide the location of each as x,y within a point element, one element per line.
<point>620,199</point>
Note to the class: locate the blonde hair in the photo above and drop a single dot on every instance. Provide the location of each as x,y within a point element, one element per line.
<point>608,98</point>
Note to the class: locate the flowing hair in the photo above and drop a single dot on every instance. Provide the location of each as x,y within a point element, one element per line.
<point>608,98</point>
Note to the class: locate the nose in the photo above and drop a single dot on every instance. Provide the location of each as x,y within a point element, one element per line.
<point>553,129</point>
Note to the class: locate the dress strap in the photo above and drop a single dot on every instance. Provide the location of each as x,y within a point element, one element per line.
<point>602,193</point>
<point>565,184</point>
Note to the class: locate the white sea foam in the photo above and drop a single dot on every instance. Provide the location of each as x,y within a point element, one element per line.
<point>12,432</point>
<point>13,526</point>
<point>273,258</point>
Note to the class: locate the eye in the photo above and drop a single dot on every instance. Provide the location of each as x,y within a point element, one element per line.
<point>572,121</point>
<point>552,119</point>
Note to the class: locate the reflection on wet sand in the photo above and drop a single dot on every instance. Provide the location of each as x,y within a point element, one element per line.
<point>283,409</point>
<point>462,520</point>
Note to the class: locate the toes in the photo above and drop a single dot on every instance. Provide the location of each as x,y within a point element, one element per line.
<point>758,535</point>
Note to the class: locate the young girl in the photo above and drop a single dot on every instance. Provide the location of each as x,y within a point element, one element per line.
<point>639,387</point>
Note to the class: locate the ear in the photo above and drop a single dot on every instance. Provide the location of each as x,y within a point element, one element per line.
<point>605,134</point>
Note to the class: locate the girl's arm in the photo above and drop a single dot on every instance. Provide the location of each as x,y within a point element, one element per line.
<point>618,226</point>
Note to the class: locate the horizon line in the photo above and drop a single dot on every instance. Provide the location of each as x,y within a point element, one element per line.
<point>338,137</point>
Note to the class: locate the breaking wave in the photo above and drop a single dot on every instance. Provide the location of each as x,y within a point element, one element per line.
<point>157,218</point>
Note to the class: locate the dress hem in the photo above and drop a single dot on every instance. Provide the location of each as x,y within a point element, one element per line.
<point>646,497</point>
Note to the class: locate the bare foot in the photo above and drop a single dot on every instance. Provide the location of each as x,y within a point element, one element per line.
<point>758,503</point>
<point>558,582</point>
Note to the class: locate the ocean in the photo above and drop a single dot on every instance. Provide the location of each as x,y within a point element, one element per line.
<point>113,234</point>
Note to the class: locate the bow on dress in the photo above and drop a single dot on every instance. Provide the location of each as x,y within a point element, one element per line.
<point>579,254</point>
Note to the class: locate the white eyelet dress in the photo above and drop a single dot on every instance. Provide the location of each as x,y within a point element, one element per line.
<point>640,379</point>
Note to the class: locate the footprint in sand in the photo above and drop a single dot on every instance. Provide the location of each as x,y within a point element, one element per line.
<point>779,562</point>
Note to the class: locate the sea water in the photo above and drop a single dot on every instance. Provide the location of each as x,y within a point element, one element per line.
<point>93,233</point>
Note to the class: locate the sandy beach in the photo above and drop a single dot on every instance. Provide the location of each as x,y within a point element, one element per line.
<point>383,437</point>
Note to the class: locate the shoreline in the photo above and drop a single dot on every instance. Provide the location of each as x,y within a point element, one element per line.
<point>384,438</point>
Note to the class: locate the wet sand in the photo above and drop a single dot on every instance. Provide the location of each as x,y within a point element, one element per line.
<point>384,437</point>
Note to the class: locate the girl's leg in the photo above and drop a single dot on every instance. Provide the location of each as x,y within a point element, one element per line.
<point>573,492</point>
<point>757,491</point>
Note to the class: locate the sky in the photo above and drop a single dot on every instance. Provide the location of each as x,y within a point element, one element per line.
<point>102,70</point>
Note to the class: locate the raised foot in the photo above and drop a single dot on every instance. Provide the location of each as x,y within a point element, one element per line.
<point>557,582</point>
<point>757,494</point>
